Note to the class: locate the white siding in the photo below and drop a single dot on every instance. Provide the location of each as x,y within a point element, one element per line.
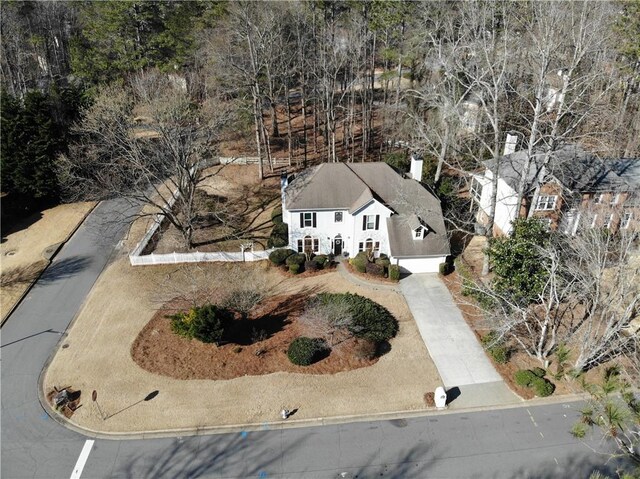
<point>506,202</point>
<point>350,228</point>
<point>381,234</point>
<point>326,228</point>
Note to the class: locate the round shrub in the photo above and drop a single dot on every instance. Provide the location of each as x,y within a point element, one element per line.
<point>276,215</point>
<point>500,354</point>
<point>205,323</point>
<point>539,372</point>
<point>209,323</point>
<point>294,268</point>
<point>445,268</point>
<point>375,269</point>
<point>298,259</point>
<point>360,261</point>
<point>384,262</point>
<point>524,377</point>
<point>321,260</point>
<point>279,236</point>
<point>279,256</point>
<point>394,272</point>
<point>304,351</point>
<point>542,387</point>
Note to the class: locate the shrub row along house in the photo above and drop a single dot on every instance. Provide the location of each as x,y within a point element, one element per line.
<point>577,190</point>
<point>345,208</point>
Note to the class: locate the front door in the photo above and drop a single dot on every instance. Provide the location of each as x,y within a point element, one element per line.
<point>337,246</point>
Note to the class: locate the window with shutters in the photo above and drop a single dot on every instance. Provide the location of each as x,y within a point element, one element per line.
<point>370,222</point>
<point>307,220</point>
<point>369,245</point>
<point>626,220</point>
<point>309,245</point>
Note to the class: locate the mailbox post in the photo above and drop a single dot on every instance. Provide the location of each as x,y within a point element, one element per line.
<point>440,397</point>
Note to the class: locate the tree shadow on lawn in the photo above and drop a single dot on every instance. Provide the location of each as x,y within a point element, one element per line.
<point>245,331</point>
<point>23,275</point>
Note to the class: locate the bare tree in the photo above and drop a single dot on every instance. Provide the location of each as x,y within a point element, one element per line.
<point>589,296</point>
<point>566,52</point>
<point>331,321</point>
<point>158,165</point>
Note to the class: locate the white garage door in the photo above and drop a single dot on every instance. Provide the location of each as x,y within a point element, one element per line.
<point>421,265</point>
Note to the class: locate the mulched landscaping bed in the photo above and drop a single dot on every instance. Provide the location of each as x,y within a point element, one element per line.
<point>158,350</point>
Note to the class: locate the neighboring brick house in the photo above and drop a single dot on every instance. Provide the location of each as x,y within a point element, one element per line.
<point>344,208</point>
<point>578,190</point>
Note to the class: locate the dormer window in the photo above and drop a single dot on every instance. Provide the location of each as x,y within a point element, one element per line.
<point>420,232</point>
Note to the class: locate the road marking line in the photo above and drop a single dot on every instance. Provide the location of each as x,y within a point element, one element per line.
<point>84,455</point>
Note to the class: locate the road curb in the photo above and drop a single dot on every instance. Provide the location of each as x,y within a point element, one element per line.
<point>293,423</point>
<point>48,255</point>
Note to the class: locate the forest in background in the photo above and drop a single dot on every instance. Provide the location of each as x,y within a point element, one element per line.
<point>325,80</point>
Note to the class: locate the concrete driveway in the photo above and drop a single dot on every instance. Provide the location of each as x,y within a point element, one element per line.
<point>459,357</point>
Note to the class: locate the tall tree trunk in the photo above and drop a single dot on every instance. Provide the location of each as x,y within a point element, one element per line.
<point>286,92</point>
<point>256,122</point>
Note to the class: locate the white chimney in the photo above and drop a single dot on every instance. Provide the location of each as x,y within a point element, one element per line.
<point>510,144</point>
<point>416,167</point>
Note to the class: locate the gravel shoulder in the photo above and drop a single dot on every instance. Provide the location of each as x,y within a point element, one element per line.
<point>97,356</point>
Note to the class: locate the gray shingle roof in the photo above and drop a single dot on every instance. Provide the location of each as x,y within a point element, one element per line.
<point>351,186</point>
<point>574,168</point>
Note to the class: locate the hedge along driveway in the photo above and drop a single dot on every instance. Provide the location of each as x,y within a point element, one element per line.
<point>124,300</point>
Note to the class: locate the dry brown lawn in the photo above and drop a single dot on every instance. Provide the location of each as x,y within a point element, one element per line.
<point>97,356</point>
<point>26,249</point>
<point>246,204</point>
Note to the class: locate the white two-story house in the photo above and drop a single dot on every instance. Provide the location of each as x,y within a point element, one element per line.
<point>344,208</point>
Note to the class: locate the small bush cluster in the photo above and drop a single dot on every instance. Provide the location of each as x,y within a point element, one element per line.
<point>204,323</point>
<point>378,267</point>
<point>279,256</point>
<point>495,347</point>
<point>298,262</point>
<point>534,378</point>
<point>304,351</point>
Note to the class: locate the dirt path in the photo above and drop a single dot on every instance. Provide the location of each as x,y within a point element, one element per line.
<point>98,357</point>
<point>25,250</point>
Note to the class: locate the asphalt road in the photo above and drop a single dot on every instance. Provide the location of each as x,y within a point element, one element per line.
<point>520,442</point>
